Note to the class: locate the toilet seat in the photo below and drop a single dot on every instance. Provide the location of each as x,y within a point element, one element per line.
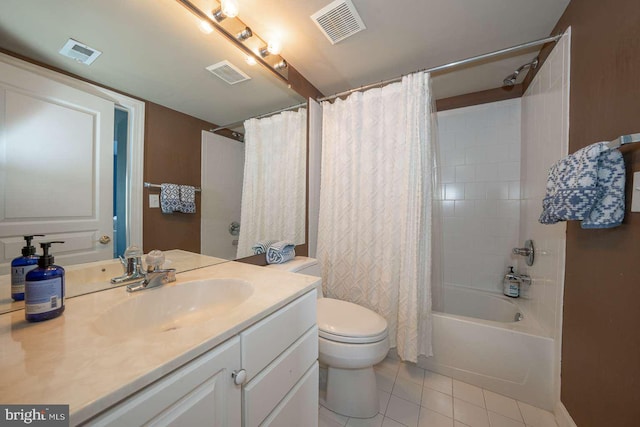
<point>345,322</point>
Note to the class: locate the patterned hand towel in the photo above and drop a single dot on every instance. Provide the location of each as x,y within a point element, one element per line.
<point>586,183</point>
<point>169,198</point>
<point>262,246</point>
<point>187,199</point>
<point>281,252</point>
<point>608,211</point>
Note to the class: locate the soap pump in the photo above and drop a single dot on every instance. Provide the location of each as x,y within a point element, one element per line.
<point>21,266</point>
<point>511,284</point>
<point>44,288</point>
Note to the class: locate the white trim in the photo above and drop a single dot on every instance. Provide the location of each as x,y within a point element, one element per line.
<point>136,110</point>
<point>563,418</point>
<point>135,163</point>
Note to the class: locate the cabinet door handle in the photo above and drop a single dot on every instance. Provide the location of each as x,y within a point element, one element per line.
<point>239,376</point>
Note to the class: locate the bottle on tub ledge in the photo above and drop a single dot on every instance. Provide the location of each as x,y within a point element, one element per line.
<point>21,266</point>
<point>511,284</point>
<point>44,288</point>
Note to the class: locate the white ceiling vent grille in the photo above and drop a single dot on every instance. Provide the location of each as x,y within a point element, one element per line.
<point>338,20</point>
<point>228,72</point>
<point>80,52</point>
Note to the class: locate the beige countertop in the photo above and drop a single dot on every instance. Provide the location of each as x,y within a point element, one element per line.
<point>67,361</point>
<point>90,277</point>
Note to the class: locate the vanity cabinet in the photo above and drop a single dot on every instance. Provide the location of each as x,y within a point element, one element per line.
<point>200,393</point>
<point>275,362</point>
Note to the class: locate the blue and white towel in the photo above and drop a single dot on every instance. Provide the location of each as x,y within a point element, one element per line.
<point>281,252</point>
<point>187,199</point>
<point>169,198</point>
<point>587,185</point>
<point>262,246</point>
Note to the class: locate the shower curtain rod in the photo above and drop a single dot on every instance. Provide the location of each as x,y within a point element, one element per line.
<point>450,65</point>
<point>232,125</point>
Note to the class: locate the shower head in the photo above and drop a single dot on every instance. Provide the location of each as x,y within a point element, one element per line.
<point>510,80</point>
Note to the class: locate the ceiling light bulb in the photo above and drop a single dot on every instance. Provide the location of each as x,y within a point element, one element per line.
<point>274,47</point>
<point>250,60</point>
<point>206,27</point>
<point>230,8</point>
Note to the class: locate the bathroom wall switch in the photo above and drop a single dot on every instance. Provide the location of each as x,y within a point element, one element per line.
<point>635,194</point>
<point>154,200</point>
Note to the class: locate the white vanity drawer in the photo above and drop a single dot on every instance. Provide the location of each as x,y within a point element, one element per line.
<point>300,406</point>
<point>267,339</point>
<point>263,393</point>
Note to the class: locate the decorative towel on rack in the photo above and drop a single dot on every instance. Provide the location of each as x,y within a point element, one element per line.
<point>262,246</point>
<point>169,198</point>
<point>187,199</point>
<point>281,252</point>
<point>587,185</point>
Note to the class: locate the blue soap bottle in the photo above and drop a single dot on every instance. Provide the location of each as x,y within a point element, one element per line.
<point>44,288</point>
<point>21,266</point>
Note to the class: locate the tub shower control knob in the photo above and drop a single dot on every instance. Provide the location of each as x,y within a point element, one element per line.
<point>239,376</point>
<point>527,252</point>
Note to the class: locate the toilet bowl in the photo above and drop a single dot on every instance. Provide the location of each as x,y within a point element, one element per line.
<point>351,339</point>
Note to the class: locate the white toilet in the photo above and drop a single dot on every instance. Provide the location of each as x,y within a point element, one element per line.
<point>352,339</point>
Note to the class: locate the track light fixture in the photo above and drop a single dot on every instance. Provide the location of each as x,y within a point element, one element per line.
<point>225,20</point>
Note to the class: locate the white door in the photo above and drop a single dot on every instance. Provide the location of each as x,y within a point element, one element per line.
<point>56,167</point>
<point>222,175</point>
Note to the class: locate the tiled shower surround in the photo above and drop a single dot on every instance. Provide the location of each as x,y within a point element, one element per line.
<point>480,180</point>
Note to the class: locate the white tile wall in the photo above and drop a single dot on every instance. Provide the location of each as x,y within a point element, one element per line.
<point>545,139</point>
<point>480,152</point>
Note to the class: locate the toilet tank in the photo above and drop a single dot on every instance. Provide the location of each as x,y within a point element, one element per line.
<point>302,265</point>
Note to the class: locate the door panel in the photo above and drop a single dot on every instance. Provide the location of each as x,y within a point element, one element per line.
<point>56,174</point>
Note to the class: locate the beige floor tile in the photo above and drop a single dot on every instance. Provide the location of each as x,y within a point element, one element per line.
<point>468,393</point>
<point>502,405</point>
<point>403,411</point>
<point>437,401</point>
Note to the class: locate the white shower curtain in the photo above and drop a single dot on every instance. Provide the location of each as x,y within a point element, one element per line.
<point>375,207</point>
<point>274,184</point>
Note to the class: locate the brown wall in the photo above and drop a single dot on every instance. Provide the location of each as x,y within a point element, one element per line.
<point>172,147</point>
<point>601,324</point>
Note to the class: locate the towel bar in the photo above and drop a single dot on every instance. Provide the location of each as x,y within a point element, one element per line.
<point>623,140</point>
<point>149,185</point>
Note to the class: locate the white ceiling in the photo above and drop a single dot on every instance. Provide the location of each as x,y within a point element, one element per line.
<point>153,49</point>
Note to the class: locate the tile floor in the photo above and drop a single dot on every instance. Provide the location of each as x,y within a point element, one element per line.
<point>413,397</point>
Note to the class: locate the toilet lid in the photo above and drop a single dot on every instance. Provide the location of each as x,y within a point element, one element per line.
<point>346,322</point>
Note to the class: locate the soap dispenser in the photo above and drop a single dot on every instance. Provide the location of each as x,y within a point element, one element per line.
<point>44,288</point>
<point>21,266</point>
<point>511,284</point>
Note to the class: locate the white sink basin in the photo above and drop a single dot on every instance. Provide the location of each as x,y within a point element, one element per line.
<point>169,307</point>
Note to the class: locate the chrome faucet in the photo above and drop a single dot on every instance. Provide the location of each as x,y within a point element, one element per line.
<point>132,264</point>
<point>154,277</point>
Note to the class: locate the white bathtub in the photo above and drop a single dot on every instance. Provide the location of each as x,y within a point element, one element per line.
<point>477,340</point>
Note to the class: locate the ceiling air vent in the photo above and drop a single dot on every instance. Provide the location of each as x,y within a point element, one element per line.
<point>338,20</point>
<point>228,72</point>
<point>80,52</point>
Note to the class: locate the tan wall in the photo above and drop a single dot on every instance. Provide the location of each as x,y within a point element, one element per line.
<point>601,325</point>
<point>172,148</point>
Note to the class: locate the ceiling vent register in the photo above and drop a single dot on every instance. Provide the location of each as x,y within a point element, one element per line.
<point>80,52</point>
<point>338,20</point>
<point>228,72</point>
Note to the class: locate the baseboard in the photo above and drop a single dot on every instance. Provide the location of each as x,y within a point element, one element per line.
<point>562,416</point>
